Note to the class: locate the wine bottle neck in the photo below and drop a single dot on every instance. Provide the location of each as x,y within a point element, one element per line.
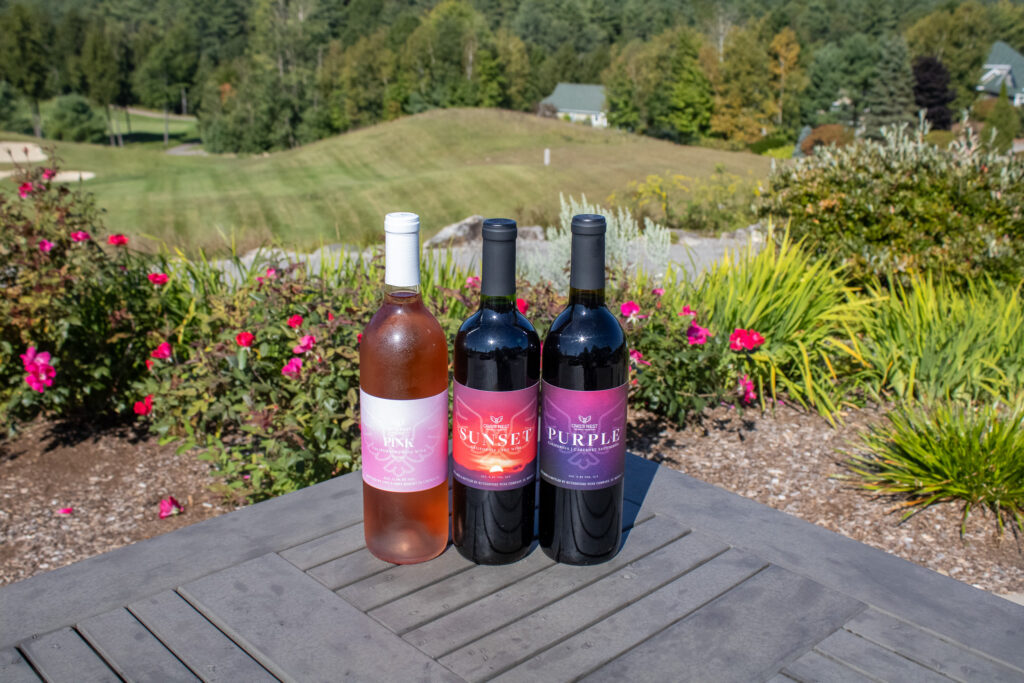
<point>498,269</point>
<point>591,298</point>
<point>586,272</point>
<point>402,260</point>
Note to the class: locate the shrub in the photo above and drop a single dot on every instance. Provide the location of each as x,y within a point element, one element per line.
<point>62,294</point>
<point>628,245</point>
<point>939,340</point>
<point>949,452</point>
<point>721,202</point>
<point>13,116</point>
<point>73,119</point>
<point>770,142</point>
<point>891,207</point>
<point>940,138</point>
<point>828,135</point>
<point>785,152</point>
<point>798,308</point>
<point>268,387</point>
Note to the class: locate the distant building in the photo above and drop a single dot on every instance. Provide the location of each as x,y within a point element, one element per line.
<point>579,101</point>
<point>1004,65</point>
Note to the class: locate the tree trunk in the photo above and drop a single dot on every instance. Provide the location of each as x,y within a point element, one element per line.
<point>184,100</point>
<point>37,123</point>
<point>127,119</point>
<point>117,130</point>
<point>167,125</point>
<point>110,126</point>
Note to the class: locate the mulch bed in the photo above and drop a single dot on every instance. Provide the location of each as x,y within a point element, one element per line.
<point>114,478</point>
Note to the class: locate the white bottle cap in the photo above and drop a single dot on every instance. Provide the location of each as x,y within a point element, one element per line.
<point>402,249</point>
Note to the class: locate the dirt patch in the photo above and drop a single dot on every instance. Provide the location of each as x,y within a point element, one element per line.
<point>113,478</point>
<point>788,461</point>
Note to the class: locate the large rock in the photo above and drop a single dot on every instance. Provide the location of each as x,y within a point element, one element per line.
<point>456,234</point>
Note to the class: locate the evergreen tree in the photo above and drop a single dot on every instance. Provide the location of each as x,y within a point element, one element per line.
<point>932,93</point>
<point>890,98</point>
<point>825,80</point>
<point>690,98</point>
<point>25,38</point>
<point>859,70</point>
<point>1002,125</point>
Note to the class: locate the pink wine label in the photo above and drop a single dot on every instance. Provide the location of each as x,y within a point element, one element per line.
<point>404,442</point>
<point>583,437</point>
<point>494,437</point>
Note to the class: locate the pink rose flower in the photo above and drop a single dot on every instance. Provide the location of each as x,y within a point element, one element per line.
<point>746,390</point>
<point>162,352</point>
<point>158,278</point>
<point>688,311</point>
<point>244,339</point>
<point>472,282</point>
<point>631,311</point>
<point>65,511</point>
<point>697,335</point>
<point>745,340</point>
<point>522,305</point>
<point>117,240</point>
<point>292,368</point>
<point>45,246</point>
<point>305,344</point>
<point>79,236</point>
<point>658,291</point>
<point>169,507</point>
<point>149,364</point>
<point>359,338</point>
<point>295,321</point>
<point>24,190</point>
<point>48,173</point>
<point>637,357</point>
<point>330,316</point>
<point>39,373</point>
<point>145,406</point>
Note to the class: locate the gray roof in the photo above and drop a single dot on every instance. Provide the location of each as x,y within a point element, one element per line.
<point>577,97</point>
<point>1004,65</point>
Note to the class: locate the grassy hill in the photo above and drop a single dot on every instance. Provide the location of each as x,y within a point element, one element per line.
<point>444,165</point>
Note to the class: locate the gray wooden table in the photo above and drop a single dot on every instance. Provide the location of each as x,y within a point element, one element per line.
<point>708,586</point>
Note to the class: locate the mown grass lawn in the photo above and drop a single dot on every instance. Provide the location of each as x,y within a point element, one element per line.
<point>443,164</point>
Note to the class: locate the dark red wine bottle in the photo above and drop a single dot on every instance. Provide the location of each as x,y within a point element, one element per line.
<point>494,416</point>
<point>583,419</point>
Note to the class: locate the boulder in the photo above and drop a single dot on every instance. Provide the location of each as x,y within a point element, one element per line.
<point>465,231</point>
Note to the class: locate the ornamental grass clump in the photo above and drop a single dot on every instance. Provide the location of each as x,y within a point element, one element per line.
<point>947,452</point>
<point>935,339</point>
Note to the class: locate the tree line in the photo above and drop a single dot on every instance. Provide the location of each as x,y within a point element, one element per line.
<point>272,74</point>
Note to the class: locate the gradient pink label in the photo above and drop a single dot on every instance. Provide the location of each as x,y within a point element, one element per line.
<point>404,443</point>
<point>583,437</point>
<point>494,437</point>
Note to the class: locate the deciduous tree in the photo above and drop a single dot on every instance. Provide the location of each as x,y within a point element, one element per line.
<point>26,33</point>
<point>790,77</point>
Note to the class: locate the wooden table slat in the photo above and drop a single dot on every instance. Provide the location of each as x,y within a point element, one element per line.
<point>602,642</point>
<point>772,618</point>
<point>325,548</point>
<point>451,629</point>
<point>348,569</point>
<point>936,653</point>
<point>14,668</point>
<point>403,579</point>
<point>131,650</point>
<point>63,656</point>
<point>511,644</point>
<point>875,660</point>
<point>813,667</point>
<point>299,630</point>
<point>196,642</point>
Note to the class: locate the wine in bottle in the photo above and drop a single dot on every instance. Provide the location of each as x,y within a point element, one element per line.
<point>583,417</point>
<point>494,416</point>
<point>403,400</point>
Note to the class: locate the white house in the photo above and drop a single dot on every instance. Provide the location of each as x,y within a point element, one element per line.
<point>580,102</point>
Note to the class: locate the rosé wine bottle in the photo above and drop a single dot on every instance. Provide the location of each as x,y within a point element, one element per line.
<point>403,394</point>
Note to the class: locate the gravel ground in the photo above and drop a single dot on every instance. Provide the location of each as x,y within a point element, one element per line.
<point>114,479</point>
<point>790,460</point>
